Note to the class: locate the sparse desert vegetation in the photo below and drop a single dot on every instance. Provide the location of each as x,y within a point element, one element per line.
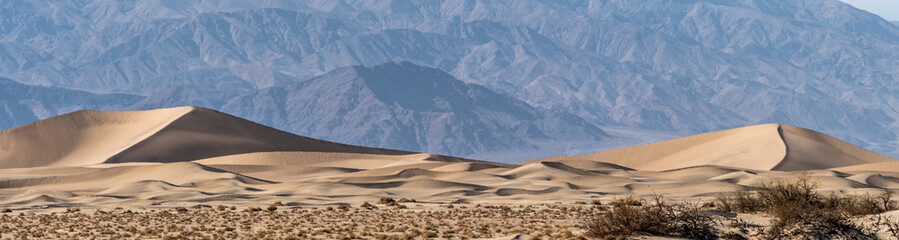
<point>794,210</point>
<point>656,216</point>
<point>798,209</point>
<point>353,192</point>
<point>465,221</point>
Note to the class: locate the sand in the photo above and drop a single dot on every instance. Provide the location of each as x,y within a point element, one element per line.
<point>762,147</point>
<point>166,135</point>
<point>94,160</point>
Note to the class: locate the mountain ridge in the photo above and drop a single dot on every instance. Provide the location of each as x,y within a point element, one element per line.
<point>410,107</point>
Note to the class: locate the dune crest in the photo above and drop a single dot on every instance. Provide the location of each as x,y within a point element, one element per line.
<point>761,147</point>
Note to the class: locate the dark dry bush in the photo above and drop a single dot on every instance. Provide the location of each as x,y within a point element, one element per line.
<point>799,211</point>
<point>386,200</point>
<point>629,216</point>
<point>741,200</point>
<point>732,236</point>
<point>367,205</point>
<point>253,209</point>
<point>405,200</point>
<point>868,204</point>
<point>626,201</point>
<point>888,225</point>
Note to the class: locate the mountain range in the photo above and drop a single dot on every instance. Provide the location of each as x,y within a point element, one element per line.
<point>544,75</point>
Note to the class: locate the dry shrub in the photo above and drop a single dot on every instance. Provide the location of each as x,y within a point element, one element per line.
<point>386,200</point>
<point>343,208</point>
<point>741,200</point>
<point>629,216</point>
<point>869,204</point>
<point>732,236</point>
<point>887,224</point>
<point>626,201</point>
<point>253,209</point>
<point>799,211</point>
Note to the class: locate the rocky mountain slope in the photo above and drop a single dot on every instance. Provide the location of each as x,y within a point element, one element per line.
<point>414,108</point>
<point>21,104</point>
<point>680,67</point>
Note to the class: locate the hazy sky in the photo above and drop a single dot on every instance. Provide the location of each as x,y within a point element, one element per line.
<point>888,9</point>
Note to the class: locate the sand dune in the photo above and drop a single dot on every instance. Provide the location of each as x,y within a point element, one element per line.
<point>166,135</point>
<point>175,156</point>
<point>762,147</point>
<point>889,166</point>
<point>430,182</point>
<point>80,138</point>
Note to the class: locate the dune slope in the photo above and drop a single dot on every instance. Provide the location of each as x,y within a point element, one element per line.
<point>164,135</point>
<point>761,147</point>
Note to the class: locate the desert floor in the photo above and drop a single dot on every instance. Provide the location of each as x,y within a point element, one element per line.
<point>164,173</point>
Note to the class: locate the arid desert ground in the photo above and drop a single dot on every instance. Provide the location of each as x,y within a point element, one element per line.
<point>197,173</point>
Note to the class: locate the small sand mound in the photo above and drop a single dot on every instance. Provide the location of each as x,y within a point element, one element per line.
<point>139,187</point>
<point>468,167</point>
<point>876,180</point>
<point>886,166</point>
<point>174,173</point>
<point>517,191</point>
<point>549,169</point>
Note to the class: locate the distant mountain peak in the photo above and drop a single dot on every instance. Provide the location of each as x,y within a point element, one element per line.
<point>421,88</point>
<point>414,108</point>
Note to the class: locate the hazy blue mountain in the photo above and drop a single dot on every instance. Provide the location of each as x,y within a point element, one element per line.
<point>22,104</point>
<point>186,96</point>
<point>673,66</point>
<point>409,107</point>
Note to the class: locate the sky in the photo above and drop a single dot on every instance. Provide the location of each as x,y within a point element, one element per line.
<point>888,9</point>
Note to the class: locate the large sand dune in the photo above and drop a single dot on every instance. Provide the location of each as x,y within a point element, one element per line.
<point>761,147</point>
<point>167,135</point>
<point>191,155</point>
